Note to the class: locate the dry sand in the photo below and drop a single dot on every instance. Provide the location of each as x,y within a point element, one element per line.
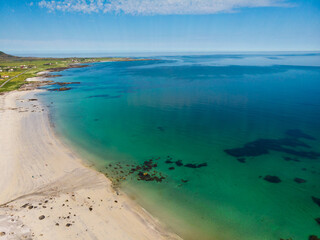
<point>47,192</point>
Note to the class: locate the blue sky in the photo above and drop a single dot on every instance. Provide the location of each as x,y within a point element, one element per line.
<point>159,25</point>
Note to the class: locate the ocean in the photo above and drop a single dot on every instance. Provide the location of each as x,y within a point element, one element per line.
<point>217,146</point>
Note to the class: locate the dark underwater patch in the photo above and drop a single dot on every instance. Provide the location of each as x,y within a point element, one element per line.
<point>316,200</point>
<point>296,133</point>
<point>272,179</point>
<point>299,180</point>
<point>179,163</point>
<point>291,159</point>
<point>313,237</point>
<point>107,96</point>
<point>161,129</point>
<point>242,160</point>
<point>191,165</point>
<point>285,145</point>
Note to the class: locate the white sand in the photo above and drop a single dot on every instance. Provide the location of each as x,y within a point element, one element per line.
<point>38,171</point>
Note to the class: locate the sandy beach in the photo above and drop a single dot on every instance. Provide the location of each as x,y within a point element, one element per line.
<point>48,192</point>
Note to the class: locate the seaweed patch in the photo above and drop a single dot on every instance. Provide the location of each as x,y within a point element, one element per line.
<point>272,179</point>
<point>285,145</point>
<point>296,133</point>
<point>316,200</point>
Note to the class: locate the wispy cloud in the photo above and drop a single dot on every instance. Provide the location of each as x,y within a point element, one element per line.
<point>157,7</point>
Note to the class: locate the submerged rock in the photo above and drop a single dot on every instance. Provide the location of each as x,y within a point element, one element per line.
<point>272,179</point>
<point>66,83</point>
<point>299,180</point>
<point>179,163</point>
<point>242,160</point>
<point>313,237</point>
<point>316,200</point>
<point>317,220</point>
<point>191,165</point>
<point>60,89</point>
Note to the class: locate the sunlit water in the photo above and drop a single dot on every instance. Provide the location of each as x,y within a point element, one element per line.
<point>193,109</point>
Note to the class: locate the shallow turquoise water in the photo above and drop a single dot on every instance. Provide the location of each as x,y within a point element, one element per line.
<point>193,108</point>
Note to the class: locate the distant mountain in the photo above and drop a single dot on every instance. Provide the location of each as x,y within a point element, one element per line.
<point>4,56</point>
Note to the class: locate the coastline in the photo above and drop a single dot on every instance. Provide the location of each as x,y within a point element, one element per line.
<point>48,192</point>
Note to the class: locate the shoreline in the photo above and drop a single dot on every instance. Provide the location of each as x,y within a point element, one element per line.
<point>48,192</point>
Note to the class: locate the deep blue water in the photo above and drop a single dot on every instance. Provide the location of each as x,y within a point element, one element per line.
<point>234,136</point>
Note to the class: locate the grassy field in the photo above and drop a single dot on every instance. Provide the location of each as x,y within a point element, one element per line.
<point>35,65</point>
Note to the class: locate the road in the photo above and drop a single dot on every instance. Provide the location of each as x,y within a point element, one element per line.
<point>13,78</point>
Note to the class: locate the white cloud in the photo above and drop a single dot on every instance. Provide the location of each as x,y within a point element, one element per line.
<point>157,7</point>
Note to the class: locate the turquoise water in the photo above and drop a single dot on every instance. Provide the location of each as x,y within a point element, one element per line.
<point>231,120</point>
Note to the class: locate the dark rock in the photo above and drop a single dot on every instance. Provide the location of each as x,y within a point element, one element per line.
<point>64,89</point>
<point>299,180</point>
<point>25,205</point>
<point>171,168</point>
<point>317,220</point>
<point>191,165</point>
<point>66,83</point>
<point>313,237</point>
<point>59,69</point>
<point>2,234</point>
<point>179,163</point>
<point>168,162</point>
<point>90,208</point>
<point>68,224</point>
<point>202,165</point>
<point>60,89</point>
<point>184,181</point>
<point>41,217</point>
<point>242,160</point>
<point>272,179</point>
<point>316,200</point>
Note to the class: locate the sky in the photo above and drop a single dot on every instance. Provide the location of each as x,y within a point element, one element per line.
<point>159,25</point>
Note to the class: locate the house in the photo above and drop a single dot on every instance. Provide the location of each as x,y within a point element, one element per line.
<point>5,76</point>
<point>0,70</point>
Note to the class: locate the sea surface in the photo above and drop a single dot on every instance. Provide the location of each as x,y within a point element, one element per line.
<point>217,146</point>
